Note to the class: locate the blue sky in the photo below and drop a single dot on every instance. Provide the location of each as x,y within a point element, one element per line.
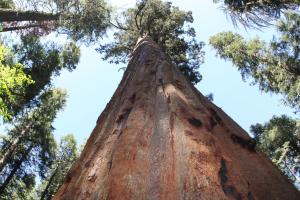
<point>93,83</point>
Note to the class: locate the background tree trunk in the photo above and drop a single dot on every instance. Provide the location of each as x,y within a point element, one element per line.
<point>9,15</point>
<point>18,28</point>
<point>159,138</point>
<point>12,147</point>
<point>15,168</point>
<point>45,192</point>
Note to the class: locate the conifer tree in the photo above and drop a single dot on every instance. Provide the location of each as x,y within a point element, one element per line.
<point>273,66</point>
<point>29,146</point>
<point>84,20</point>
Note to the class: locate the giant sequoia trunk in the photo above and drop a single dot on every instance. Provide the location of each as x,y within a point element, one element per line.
<point>159,138</point>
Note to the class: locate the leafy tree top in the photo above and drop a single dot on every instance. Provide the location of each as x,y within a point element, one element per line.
<point>165,24</point>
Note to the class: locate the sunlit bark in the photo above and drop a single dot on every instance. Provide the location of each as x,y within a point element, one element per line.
<point>159,138</point>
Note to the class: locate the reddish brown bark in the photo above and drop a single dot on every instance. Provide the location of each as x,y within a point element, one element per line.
<point>159,138</point>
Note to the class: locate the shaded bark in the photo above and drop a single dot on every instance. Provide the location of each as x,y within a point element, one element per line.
<point>160,138</point>
<point>9,15</point>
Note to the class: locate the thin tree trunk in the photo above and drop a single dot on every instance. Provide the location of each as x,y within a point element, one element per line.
<point>16,167</point>
<point>9,15</point>
<point>18,28</point>
<point>48,185</point>
<point>8,153</point>
<point>161,139</point>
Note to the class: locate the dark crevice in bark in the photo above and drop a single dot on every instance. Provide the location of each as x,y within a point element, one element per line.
<point>132,98</point>
<point>123,117</point>
<point>250,196</point>
<point>229,190</point>
<point>195,122</point>
<point>215,116</point>
<point>109,165</point>
<point>248,144</point>
<point>212,123</point>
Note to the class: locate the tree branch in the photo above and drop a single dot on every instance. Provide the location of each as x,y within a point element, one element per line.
<point>9,15</point>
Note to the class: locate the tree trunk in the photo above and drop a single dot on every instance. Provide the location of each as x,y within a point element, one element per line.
<point>9,15</point>
<point>18,28</point>
<point>45,192</point>
<point>8,153</point>
<point>16,167</point>
<point>159,138</point>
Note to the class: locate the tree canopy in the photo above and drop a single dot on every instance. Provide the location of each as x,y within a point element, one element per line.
<point>41,62</point>
<point>165,24</point>
<point>84,20</point>
<point>257,13</point>
<point>279,138</point>
<point>274,66</point>
<point>29,147</point>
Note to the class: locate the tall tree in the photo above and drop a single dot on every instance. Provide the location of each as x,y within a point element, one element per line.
<point>65,157</point>
<point>275,67</point>
<point>279,138</point>
<point>84,20</point>
<point>30,144</point>
<point>257,13</point>
<point>168,26</point>
<point>159,138</point>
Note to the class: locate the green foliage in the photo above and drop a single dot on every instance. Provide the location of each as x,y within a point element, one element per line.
<point>275,67</point>
<point>6,4</point>
<point>13,81</point>
<point>42,62</point>
<point>84,20</point>
<point>279,138</point>
<point>165,24</point>
<point>255,13</point>
<point>34,151</point>
<point>20,187</point>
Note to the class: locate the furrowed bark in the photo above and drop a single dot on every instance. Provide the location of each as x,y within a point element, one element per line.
<point>160,138</point>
